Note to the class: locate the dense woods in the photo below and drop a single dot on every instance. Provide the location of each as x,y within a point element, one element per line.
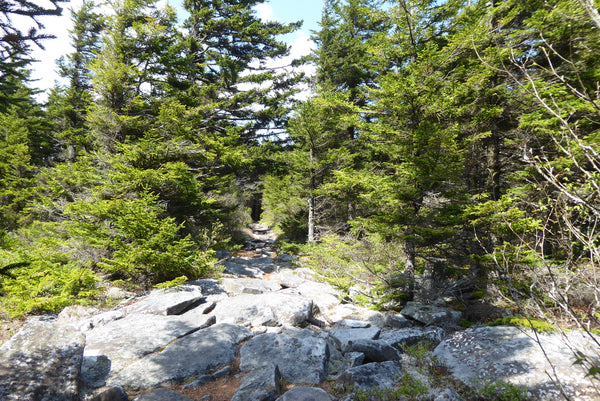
<point>448,149</point>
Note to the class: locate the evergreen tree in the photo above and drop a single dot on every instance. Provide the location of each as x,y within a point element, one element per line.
<point>68,106</point>
<point>15,45</point>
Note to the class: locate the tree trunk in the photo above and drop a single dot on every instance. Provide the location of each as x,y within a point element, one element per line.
<point>311,203</point>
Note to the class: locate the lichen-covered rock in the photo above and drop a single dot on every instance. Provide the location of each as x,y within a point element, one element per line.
<point>168,301</point>
<point>261,384</point>
<point>374,350</point>
<point>193,355</point>
<point>41,363</point>
<point>485,355</point>
<point>121,342</point>
<point>269,309</point>
<point>343,336</point>
<point>238,286</point>
<point>302,359</point>
<point>375,375</point>
<point>431,314</point>
<point>401,338</point>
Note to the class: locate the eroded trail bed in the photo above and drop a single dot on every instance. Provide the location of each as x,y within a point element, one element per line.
<point>268,330</point>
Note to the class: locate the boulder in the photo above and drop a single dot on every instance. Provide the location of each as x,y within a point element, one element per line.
<point>241,270</point>
<point>338,313</point>
<point>292,278</point>
<point>238,286</point>
<point>353,324</point>
<point>341,337</point>
<point>306,394</point>
<point>41,362</point>
<point>431,314</point>
<point>484,355</point>
<point>352,359</point>
<point>375,375</point>
<point>261,384</point>
<point>112,394</point>
<point>111,347</point>
<point>192,355</point>
<point>269,309</point>
<point>302,359</point>
<point>374,351</point>
<point>323,295</point>
<point>401,338</point>
<point>168,301</point>
<point>397,321</point>
<point>162,394</point>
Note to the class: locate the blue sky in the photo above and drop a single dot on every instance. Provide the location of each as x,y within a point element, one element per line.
<point>278,10</point>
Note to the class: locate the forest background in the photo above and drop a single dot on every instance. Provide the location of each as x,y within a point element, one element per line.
<point>450,148</point>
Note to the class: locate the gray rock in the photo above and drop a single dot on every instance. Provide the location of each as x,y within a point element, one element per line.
<point>261,384</point>
<point>162,394</point>
<point>372,376</point>
<point>112,394</point>
<point>223,254</point>
<point>341,337</point>
<point>168,301</point>
<point>306,394</point>
<point>324,296</point>
<point>401,338</point>
<point>95,370</point>
<point>397,321</point>
<point>448,395</point>
<point>126,340</point>
<point>226,371</point>
<point>352,359</point>
<point>431,314</point>
<point>292,278</point>
<point>354,324</point>
<point>199,381</point>
<point>264,264</point>
<point>269,309</point>
<point>238,286</point>
<point>340,312</point>
<point>41,362</point>
<point>375,351</point>
<point>201,351</point>
<point>301,359</point>
<point>484,355</point>
<point>285,257</point>
<point>242,270</point>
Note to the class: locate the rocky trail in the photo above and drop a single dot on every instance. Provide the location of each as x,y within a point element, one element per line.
<point>269,330</point>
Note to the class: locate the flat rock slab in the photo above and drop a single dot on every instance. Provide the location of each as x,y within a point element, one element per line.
<point>169,301</point>
<point>41,362</point>
<point>306,394</point>
<point>124,341</point>
<point>431,314</point>
<point>242,270</point>
<point>269,309</point>
<point>301,359</point>
<point>510,354</point>
<point>338,313</point>
<point>375,375</point>
<point>264,264</point>
<point>239,286</point>
<point>190,356</point>
<point>343,336</point>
